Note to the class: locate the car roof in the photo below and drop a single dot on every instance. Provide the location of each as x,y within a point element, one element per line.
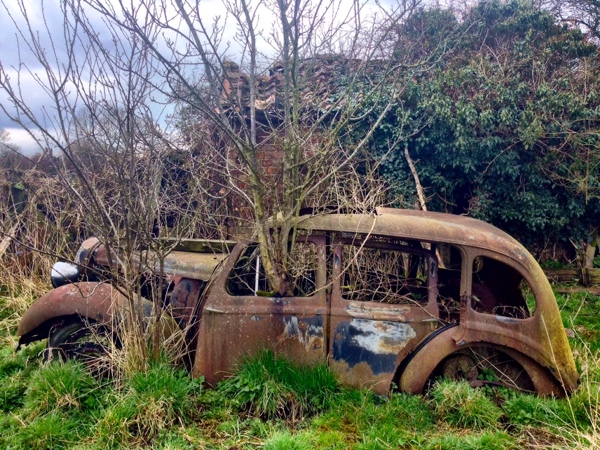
<point>423,226</point>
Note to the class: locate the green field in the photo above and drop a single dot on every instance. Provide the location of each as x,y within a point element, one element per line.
<point>273,405</point>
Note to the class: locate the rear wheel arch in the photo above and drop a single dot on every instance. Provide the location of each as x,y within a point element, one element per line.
<point>436,357</point>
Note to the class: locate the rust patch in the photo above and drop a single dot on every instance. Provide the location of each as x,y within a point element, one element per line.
<point>184,297</point>
<point>308,331</point>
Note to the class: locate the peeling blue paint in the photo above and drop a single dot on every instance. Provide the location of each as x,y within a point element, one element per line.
<point>374,342</point>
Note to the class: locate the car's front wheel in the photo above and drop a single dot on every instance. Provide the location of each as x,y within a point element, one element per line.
<point>75,338</point>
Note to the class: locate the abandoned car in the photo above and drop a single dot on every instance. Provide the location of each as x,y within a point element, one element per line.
<point>397,298</point>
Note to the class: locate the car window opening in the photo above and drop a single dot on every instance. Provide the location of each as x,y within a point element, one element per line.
<point>500,290</point>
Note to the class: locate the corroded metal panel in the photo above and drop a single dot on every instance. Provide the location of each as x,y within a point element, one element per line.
<point>200,266</point>
<point>233,327</point>
<point>541,337</point>
<point>430,355</point>
<point>370,339</point>
<point>184,297</point>
<point>424,226</point>
<point>377,343</point>
<point>97,301</point>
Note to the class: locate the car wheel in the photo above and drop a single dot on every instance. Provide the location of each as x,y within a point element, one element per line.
<point>484,366</point>
<point>81,340</point>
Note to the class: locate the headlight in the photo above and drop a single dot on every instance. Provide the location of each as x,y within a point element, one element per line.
<point>64,273</point>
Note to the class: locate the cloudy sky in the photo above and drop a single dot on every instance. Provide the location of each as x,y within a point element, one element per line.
<point>45,17</point>
<point>11,54</point>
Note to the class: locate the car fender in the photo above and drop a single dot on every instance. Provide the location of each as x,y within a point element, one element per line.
<point>427,357</point>
<point>97,302</point>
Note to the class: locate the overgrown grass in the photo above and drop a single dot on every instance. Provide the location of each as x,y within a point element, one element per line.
<point>270,403</point>
<point>464,407</point>
<point>580,314</point>
<point>271,387</point>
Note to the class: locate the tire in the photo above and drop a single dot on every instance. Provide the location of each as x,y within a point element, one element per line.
<point>77,339</point>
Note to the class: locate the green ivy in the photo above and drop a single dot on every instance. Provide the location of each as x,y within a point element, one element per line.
<point>504,126</point>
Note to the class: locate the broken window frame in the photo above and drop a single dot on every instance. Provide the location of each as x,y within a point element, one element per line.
<point>468,275</point>
<point>386,243</point>
<point>316,241</point>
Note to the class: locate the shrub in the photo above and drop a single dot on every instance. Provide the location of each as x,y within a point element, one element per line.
<point>462,406</point>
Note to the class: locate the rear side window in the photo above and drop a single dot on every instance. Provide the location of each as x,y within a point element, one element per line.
<point>501,290</point>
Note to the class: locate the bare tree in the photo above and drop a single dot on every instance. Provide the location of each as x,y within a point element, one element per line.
<point>584,14</point>
<point>119,61</point>
<point>302,115</point>
<point>115,160</point>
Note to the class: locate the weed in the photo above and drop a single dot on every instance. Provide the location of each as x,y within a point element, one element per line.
<point>581,427</point>
<point>10,363</point>
<point>364,420</point>
<point>61,387</point>
<point>52,431</point>
<point>331,440</point>
<point>383,437</point>
<point>412,412</point>
<point>112,427</point>
<point>488,440</point>
<point>164,383</point>
<point>580,312</point>
<point>10,425</point>
<point>285,440</point>
<point>151,402</point>
<point>172,440</point>
<point>463,406</point>
<point>270,386</point>
<point>12,390</point>
<point>532,410</point>
<point>393,422</point>
<point>13,303</point>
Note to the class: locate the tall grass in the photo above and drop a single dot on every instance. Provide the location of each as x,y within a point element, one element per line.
<point>271,403</point>
<point>152,401</point>
<point>579,425</point>
<point>463,406</point>
<point>271,386</point>
<point>61,388</point>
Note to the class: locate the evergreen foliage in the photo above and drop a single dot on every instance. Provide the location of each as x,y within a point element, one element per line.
<point>504,127</point>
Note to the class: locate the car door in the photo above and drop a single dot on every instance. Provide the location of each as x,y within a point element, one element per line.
<point>241,317</point>
<point>383,302</point>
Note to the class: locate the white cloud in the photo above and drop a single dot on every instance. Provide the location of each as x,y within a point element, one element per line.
<point>23,140</point>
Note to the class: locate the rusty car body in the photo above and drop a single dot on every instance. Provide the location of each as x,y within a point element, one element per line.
<point>395,298</point>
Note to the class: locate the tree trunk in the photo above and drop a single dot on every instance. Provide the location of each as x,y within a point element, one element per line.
<point>419,186</point>
<point>590,250</point>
